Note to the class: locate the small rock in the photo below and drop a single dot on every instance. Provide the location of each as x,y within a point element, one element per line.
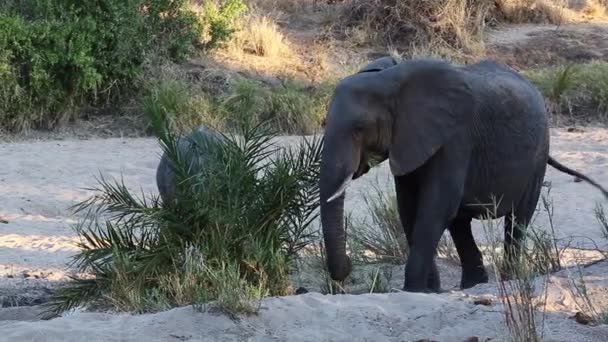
<point>583,318</point>
<point>301,290</point>
<point>483,301</point>
<point>575,130</point>
<point>577,180</point>
<point>472,339</point>
<point>426,340</point>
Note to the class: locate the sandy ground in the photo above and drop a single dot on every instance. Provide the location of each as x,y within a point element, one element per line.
<point>39,180</point>
<point>316,317</point>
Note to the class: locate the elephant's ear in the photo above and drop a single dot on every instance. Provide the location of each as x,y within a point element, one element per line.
<point>431,106</point>
<point>379,64</point>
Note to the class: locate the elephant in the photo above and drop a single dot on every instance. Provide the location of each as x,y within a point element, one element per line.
<point>196,156</point>
<point>462,142</point>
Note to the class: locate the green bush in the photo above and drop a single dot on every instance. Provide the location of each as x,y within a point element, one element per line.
<point>219,21</point>
<point>58,55</point>
<point>244,217</point>
<point>577,89</point>
<point>46,64</point>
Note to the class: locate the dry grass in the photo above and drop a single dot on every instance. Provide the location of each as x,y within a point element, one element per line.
<point>260,47</point>
<point>447,250</point>
<point>299,13</point>
<point>260,36</point>
<point>530,11</point>
<point>580,295</point>
<point>381,238</point>
<point>595,8</point>
<point>452,24</point>
<point>518,291</point>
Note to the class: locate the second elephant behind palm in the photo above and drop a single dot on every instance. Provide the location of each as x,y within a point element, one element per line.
<point>193,148</point>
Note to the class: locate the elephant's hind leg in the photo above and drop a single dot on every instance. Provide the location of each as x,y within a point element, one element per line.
<point>516,224</point>
<point>473,271</point>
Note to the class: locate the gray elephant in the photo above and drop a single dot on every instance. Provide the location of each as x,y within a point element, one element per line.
<point>458,138</point>
<point>194,149</point>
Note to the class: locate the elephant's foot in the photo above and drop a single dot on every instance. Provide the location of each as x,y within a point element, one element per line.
<point>416,289</point>
<point>473,277</point>
<point>432,284</point>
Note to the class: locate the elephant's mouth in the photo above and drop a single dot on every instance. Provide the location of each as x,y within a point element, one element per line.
<point>363,169</point>
<point>367,162</point>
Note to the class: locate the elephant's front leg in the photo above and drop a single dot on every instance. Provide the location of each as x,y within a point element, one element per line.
<point>407,196</point>
<point>439,195</point>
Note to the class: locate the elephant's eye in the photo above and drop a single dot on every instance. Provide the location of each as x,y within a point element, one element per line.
<point>358,131</point>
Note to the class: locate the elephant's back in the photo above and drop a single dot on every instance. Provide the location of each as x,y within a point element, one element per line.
<point>510,136</point>
<point>165,177</point>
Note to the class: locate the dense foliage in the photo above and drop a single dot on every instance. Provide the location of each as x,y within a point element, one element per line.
<point>58,55</point>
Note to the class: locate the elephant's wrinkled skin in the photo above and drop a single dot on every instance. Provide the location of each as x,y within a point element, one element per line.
<point>458,138</point>
<point>165,177</point>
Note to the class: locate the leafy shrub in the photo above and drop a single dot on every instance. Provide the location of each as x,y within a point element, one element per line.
<point>46,65</point>
<point>219,20</point>
<point>244,216</point>
<point>58,55</point>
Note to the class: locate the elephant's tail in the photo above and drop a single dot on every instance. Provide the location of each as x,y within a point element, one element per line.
<point>571,172</point>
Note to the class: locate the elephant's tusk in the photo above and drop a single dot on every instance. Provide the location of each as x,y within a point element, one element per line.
<point>341,189</point>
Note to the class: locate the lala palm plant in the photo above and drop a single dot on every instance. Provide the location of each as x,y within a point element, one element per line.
<point>233,228</point>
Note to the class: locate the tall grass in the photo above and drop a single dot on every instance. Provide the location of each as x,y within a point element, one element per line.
<point>578,287</point>
<point>291,107</point>
<point>517,288</point>
<point>522,283</point>
<point>580,90</point>
<point>231,235</point>
<point>381,238</point>
<point>582,299</point>
<point>184,105</point>
<point>600,215</point>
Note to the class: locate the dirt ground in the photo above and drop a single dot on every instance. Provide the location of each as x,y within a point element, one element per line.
<point>534,46</point>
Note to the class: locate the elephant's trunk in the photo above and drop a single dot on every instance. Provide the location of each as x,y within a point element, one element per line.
<point>333,180</point>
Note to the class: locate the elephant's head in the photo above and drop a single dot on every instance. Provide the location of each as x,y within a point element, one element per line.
<point>404,112</point>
